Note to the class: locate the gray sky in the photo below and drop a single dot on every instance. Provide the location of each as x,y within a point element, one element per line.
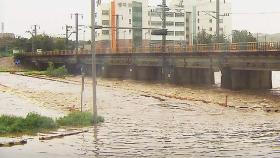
<point>51,15</point>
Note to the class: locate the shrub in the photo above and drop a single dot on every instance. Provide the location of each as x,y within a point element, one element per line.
<point>59,72</point>
<point>79,119</point>
<point>33,123</point>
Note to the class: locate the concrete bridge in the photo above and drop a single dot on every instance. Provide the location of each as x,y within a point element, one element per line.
<point>241,69</point>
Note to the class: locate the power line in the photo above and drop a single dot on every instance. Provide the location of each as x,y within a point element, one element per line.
<point>266,13</point>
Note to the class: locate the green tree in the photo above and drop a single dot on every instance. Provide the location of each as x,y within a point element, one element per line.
<point>203,38</point>
<point>242,36</point>
<point>222,39</point>
<point>22,44</point>
<point>59,44</point>
<point>43,42</point>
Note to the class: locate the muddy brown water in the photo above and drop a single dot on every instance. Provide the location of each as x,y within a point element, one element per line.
<point>137,125</point>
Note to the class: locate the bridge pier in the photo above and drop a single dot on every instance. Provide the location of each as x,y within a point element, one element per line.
<point>119,71</point>
<point>193,76</point>
<point>246,79</point>
<point>148,73</point>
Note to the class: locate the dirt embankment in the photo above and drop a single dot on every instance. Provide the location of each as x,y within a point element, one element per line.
<point>7,65</point>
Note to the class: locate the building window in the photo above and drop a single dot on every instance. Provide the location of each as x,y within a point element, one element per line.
<point>198,20</point>
<point>105,32</point>
<point>129,21</point>
<point>179,24</point>
<point>156,23</point>
<point>210,29</point>
<point>198,13</point>
<point>124,4</point>
<point>179,14</point>
<point>105,12</point>
<point>211,21</point>
<point>169,23</point>
<point>170,33</point>
<point>129,11</point>
<point>105,22</point>
<point>120,4</point>
<point>179,33</point>
<point>169,14</point>
<point>198,28</point>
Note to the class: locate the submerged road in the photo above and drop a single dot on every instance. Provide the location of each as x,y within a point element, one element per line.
<point>137,125</point>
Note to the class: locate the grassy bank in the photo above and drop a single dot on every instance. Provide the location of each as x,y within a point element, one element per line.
<point>51,71</point>
<point>34,123</point>
<point>7,65</point>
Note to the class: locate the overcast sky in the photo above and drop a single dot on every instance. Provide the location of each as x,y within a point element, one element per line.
<point>51,15</point>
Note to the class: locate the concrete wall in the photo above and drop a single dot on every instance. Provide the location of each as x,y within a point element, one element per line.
<point>246,79</point>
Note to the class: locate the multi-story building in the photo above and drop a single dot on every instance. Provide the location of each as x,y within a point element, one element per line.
<point>184,20</point>
<point>121,13</point>
<point>204,16</point>
<point>177,23</point>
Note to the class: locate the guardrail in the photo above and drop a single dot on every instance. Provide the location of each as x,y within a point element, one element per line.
<point>215,47</point>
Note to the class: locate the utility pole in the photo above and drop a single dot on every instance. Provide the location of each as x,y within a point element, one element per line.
<point>93,59</point>
<point>33,33</point>
<point>163,25</point>
<point>35,30</point>
<point>67,35</point>
<point>218,20</point>
<point>77,29</point>
<point>117,32</point>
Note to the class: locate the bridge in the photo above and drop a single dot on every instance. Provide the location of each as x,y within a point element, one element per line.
<point>243,65</point>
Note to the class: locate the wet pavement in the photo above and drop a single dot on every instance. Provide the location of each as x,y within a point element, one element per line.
<point>137,125</point>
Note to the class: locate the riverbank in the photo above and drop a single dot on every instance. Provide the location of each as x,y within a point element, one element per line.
<point>241,100</point>
<point>7,65</point>
<point>263,100</point>
<point>143,124</point>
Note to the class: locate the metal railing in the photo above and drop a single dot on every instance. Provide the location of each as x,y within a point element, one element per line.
<point>215,47</point>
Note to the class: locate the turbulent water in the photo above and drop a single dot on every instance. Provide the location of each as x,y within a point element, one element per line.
<point>137,125</point>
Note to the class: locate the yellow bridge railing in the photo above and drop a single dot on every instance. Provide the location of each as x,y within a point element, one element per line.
<point>215,47</point>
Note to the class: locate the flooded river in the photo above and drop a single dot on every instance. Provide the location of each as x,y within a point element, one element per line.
<point>137,125</point>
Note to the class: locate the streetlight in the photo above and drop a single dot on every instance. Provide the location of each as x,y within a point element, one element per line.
<point>93,60</point>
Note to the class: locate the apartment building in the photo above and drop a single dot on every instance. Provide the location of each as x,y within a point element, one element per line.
<point>125,14</point>
<point>204,13</point>
<point>185,18</point>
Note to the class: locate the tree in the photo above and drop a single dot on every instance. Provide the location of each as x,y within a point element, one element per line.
<point>242,36</point>
<point>43,42</point>
<point>22,44</point>
<point>203,38</point>
<point>59,44</point>
<point>222,39</point>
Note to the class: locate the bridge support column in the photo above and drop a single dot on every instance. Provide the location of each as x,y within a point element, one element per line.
<point>194,76</point>
<point>117,71</point>
<point>168,74</point>
<point>246,79</point>
<point>260,80</point>
<point>148,73</point>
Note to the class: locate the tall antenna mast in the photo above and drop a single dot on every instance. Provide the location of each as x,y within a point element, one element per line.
<point>2,27</point>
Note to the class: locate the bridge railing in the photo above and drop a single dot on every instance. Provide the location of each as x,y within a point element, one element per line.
<point>215,47</point>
